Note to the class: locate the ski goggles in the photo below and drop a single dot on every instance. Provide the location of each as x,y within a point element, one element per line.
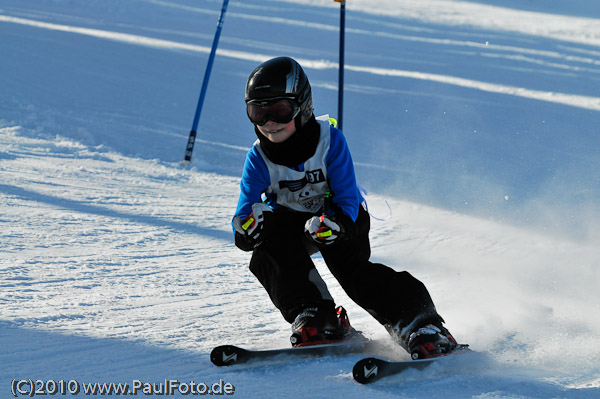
<point>281,110</point>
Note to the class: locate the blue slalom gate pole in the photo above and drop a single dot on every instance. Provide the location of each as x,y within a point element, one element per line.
<point>211,58</point>
<point>341,62</point>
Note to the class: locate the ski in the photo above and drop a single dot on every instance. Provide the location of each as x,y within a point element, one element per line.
<point>227,355</point>
<point>372,369</point>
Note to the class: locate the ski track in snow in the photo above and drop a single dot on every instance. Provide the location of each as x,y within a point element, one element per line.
<point>585,102</point>
<point>117,267</point>
<point>117,260</point>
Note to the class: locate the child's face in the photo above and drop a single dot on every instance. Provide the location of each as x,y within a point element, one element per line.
<point>277,132</point>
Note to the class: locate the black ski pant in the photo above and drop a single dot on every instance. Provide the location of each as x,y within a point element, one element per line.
<point>284,267</point>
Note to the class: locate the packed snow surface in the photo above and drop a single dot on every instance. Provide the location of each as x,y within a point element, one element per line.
<point>477,121</point>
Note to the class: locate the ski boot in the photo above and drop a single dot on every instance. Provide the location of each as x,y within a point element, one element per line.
<point>321,325</point>
<point>431,341</point>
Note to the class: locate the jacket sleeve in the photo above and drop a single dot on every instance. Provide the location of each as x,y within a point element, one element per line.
<point>342,179</point>
<point>255,180</point>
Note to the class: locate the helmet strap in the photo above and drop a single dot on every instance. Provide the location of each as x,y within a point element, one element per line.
<point>298,121</point>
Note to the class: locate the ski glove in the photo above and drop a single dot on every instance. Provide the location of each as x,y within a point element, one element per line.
<point>325,230</point>
<point>252,230</point>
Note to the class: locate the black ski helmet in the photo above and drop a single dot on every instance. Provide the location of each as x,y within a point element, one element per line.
<point>281,77</point>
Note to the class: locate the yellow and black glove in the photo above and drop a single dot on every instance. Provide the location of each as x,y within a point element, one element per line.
<point>251,231</point>
<point>325,230</point>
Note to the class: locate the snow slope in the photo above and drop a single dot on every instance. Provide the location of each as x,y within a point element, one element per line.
<point>117,264</point>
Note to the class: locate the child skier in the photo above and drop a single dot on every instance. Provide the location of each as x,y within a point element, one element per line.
<point>298,194</point>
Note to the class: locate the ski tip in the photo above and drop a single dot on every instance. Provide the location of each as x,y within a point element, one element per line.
<point>367,370</point>
<point>226,355</point>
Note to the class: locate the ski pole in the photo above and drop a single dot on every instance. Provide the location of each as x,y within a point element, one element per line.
<point>341,62</point>
<point>192,138</point>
